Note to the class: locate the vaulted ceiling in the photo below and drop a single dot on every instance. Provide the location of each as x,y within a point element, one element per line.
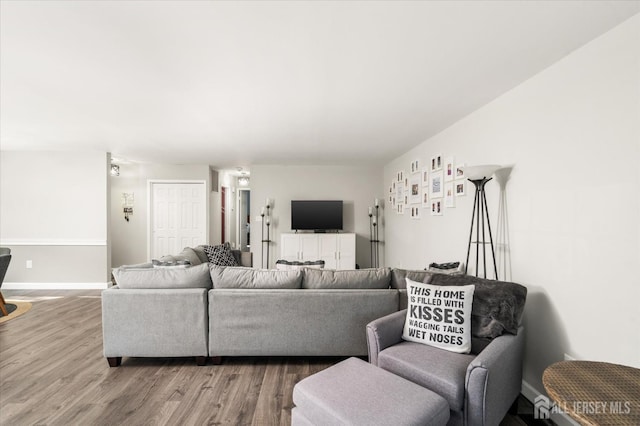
<point>266,82</point>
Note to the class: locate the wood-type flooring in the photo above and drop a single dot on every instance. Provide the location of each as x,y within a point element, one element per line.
<point>52,372</point>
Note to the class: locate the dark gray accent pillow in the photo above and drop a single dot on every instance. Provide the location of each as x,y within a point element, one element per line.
<point>189,254</point>
<point>240,277</point>
<point>220,255</point>
<point>497,305</point>
<point>199,251</point>
<point>379,278</point>
<point>399,277</point>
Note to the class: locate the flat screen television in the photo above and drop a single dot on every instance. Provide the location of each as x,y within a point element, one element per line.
<point>311,215</point>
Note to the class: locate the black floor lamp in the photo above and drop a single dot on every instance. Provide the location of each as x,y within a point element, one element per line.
<point>374,239</point>
<point>266,221</point>
<point>479,176</point>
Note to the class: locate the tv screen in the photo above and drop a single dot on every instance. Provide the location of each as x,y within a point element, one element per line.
<point>316,215</point>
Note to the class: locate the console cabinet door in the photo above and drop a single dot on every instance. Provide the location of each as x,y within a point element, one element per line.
<point>290,247</point>
<point>328,250</point>
<point>346,251</point>
<point>308,247</point>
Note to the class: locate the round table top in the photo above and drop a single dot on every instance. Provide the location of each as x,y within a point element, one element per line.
<point>595,393</point>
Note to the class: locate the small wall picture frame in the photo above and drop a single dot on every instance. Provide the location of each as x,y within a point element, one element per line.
<point>424,198</point>
<point>400,209</point>
<point>415,212</point>
<point>459,173</point>
<point>436,163</point>
<point>436,185</point>
<point>449,169</point>
<point>399,192</point>
<point>459,187</point>
<point>449,196</point>
<point>415,166</point>
<point>425,177</point>
<point>436,207</point>
<point>414,189</point>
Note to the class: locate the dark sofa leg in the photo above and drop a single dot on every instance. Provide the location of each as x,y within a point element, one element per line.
<point>114,361</point>
<point>201,360</point>
<point>216,360</point>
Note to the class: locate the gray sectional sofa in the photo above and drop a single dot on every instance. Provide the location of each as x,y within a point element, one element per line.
<point>212,311</point>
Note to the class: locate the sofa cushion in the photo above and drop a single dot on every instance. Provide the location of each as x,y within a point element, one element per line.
<point>399,277</point>
<point>220,255</point>
<point>435,369</point>
<point>439,316</point>
<point>497,305</point>
<point>347,279</point>
<point>240,277</point>
<point>192,277</point>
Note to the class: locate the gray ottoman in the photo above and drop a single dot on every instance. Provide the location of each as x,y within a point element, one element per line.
<point>354,392</point>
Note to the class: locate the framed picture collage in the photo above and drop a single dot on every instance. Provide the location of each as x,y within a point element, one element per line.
<point>433,186</point>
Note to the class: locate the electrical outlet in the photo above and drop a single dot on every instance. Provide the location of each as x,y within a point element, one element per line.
<point>29,264</point>
<point>568,357</point>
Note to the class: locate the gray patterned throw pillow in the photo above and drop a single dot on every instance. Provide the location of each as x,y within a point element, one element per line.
<point>220,255</point>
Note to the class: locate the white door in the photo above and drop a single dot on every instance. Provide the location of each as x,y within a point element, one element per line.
<point>177,216</point>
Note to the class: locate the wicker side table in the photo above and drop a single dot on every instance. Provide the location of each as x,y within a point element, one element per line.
<point>595,393</point>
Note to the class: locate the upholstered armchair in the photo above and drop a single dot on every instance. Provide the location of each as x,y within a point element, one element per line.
<point>480,387</point>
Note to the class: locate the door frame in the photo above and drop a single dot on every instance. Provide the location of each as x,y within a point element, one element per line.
<point>238,215</point>
<point>150,183</point>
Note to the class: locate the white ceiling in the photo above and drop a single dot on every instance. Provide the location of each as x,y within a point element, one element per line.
<point>240,83</point>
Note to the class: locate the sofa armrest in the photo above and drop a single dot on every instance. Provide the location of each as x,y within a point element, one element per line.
<point>494,379</point>
<point>154,322</point>
<point>384,332</point>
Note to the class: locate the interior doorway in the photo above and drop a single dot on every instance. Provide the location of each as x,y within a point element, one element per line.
<point>244,219</point>
<point>223,208</point>
<point>177,216</point>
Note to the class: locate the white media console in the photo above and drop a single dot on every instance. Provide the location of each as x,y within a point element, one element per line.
<point>337,250</point>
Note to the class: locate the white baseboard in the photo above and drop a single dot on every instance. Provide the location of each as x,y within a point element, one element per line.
<point>55,286</point>
<point>560,419</point>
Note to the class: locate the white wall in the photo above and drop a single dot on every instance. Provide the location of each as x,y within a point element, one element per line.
<point>129,239</point>
<point>53,211</point>
<point>572,134</point>
<point>356,186</point>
